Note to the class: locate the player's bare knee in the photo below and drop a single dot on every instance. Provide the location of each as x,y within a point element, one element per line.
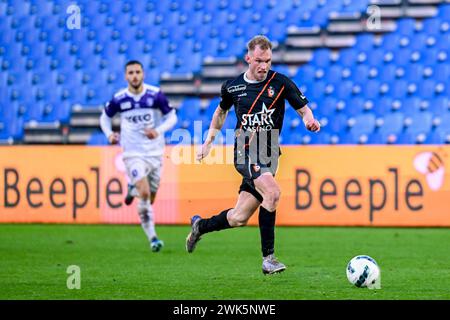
<point>271,200</point>
<point>237,220</point>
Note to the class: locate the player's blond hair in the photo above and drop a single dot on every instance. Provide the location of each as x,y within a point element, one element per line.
<point>259,41</point>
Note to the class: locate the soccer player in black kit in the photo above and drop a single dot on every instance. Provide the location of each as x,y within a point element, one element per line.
<point>258,96</point>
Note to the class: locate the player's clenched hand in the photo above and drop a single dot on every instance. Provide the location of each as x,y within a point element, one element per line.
<point>313,125</point>
<point>114,138</point>
<point>203,151</point>
<point>151,133</point>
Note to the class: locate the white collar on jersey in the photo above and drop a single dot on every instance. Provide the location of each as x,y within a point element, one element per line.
<point>138,96</point>
<point>251,81</point>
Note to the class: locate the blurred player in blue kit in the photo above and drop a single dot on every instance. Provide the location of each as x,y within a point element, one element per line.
<point>145,115</point>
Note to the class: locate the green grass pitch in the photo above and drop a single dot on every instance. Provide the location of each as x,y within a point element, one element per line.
<point>116,263</point>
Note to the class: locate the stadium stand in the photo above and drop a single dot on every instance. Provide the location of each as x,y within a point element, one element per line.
<point>384,85</point>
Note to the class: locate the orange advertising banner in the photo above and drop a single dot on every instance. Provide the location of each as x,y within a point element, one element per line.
<point>320,185</point>
<point>76,184</point>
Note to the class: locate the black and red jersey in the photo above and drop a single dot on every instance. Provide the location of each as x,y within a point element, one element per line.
<point>260,106</point>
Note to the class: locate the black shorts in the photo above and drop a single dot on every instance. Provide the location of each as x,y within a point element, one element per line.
<point>251,170</point>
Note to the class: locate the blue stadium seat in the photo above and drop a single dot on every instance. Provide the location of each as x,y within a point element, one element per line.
<point>436,137</point>
<point>252,30</point>
<point>405,26</point>
<point>427,89</point>
<point>412,104</point>
<point>430,55</point>
<point>316,90</point>
<point>391,41</point>
<point>9,110</point>
<point>41,8</point>
<point>7,35</point>
<point>12,53</point>
<point>190,108</point>
<point>3,8</point>
<point>209,46</point>
<point>18,8</point>
<point>290,137</point>
<point>334,74</point>
<point>12,128</point>
<point>402,56</point>
<point>387,73</point>
<point>344,90</point>
<point>398,89</point>
<point>378,138</point>
<point>354,106</point>
<point>360,73</point>
<point>321,58</point>
<point>305,74</point>
<point>55,36</point>
<point>327,106</point>
<point>421,122</point>
<point>364,42</point>
<point>444,12</point>
<point>347,57</point>
<point>405,138</point>
<point>440,105</point>
<point>322,138</point>
<point>319,16</point>
<point>220,17</point>
<point>33,111</point>
<point>24,24</point>
<point>392,123</point>
<point>371,89</point>
<point>337,124</point>
<point>351,138</point>
<point>187,6</point>
<point>115,8</point>
<point>139,7</point>
<point>364,124</point>
<point>152,76</point>
<point>445,123</point>
<point>277,31</point>
<point>375,57</point>
<point>414,72</point>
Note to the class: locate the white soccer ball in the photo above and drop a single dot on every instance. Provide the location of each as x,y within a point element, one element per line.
<point>363,271</point>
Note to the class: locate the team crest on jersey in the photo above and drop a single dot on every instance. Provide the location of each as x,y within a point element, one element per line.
<point>270,92</point>
<point>256,168</point>
<point>150,101</point>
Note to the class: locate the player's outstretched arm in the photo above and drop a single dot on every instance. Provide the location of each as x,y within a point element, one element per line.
<point>106,126</point>
<point>216,125</point>
<point>307,115</point>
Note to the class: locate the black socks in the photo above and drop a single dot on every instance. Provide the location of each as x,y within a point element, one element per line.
<point>266,227</point>
<point>215,223</point>
<point>267,230</point>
